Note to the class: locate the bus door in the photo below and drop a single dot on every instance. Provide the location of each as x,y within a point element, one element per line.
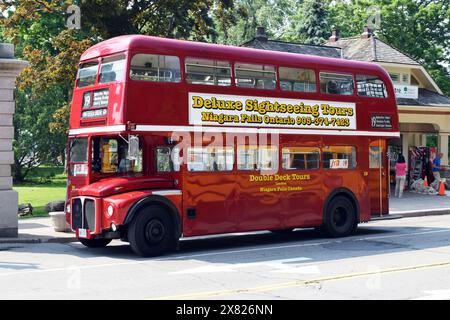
<point>378,177</point>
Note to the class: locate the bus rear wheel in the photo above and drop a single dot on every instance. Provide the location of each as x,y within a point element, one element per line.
<point>340,218</point>
<point>95,243</point>
<point>151,232</point>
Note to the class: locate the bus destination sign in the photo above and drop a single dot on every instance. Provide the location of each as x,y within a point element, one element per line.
<point>228,110</point>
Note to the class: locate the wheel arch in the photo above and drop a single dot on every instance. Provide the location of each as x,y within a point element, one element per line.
<point>156,200</point>
<point>345,193</point>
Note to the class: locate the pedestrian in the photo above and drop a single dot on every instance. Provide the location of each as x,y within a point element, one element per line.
<point>400,175</point>
<point>436,167</point>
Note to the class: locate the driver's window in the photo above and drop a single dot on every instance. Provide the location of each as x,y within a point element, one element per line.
<point>112,155</point>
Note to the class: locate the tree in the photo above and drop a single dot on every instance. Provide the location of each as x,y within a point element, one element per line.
<point>38,29</point>
<point>310,23</point>
<point>420,28</point>
<point>245,15</point>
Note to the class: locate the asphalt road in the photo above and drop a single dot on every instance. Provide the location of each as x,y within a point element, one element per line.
<point>395,259</point>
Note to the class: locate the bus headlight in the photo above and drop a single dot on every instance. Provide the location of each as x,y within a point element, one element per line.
<point>110,211</point>
<point>68,208</point>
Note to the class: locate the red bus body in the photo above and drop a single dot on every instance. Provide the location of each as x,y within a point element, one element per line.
<point>202,203</point>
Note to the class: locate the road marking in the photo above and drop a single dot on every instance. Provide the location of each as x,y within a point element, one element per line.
<point>299,245</point>
<point>230,267</point>
<point>298,283</point>
<point>215,253</point>
<point>435,295</point>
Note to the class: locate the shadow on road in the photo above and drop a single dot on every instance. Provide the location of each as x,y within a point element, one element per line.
<point>254,247</point>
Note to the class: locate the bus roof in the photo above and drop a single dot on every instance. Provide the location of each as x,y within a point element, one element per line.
<point>169,46</point>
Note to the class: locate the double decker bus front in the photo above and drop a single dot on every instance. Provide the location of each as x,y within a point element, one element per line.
<point>107,171</point>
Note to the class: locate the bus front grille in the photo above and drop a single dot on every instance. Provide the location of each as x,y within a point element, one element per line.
<point>77,214</point>
<point>89,214</point>
<point>83,214</point>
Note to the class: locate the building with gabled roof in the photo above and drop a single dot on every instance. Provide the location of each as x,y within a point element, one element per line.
<point>423,108</point>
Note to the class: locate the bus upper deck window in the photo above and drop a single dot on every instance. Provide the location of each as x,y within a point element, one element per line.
<point>255,76</point>
<point>210,72</point>
<point>112,69</point>
<point>295,79</point>
<point>335,83</point>
<point>87,74</point>
<point>155,68</point>
<point>370,86</point>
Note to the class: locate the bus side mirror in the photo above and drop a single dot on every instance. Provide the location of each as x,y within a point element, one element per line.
<point>133,147</point>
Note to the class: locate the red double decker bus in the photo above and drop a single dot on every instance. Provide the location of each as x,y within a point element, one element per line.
<point>172,139</point>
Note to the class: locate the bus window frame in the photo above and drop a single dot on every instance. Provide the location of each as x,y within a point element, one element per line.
<point>231,67</point>
<point>331,71</point>
<point>275,65</point>
<point>130,56</point>
<point>379,78</point>
<point>124,55</point>
<point>322,165</point>
<point>98,60</point>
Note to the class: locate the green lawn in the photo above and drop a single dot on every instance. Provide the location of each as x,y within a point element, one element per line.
<point>44,184</point>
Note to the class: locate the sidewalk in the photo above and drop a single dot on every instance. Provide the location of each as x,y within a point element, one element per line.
<point>39,230</point>
<point>416,204</point>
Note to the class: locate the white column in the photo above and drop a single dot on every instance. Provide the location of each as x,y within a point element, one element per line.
<point>443,147</point>
<point>417,139</point>
<point>9,70</point>
<point>405,145</point>
<point>424,140</point>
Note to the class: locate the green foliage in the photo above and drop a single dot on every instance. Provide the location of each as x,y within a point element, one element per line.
<point>419,28</point>
<point>310,23</point>
<point>246,15</point>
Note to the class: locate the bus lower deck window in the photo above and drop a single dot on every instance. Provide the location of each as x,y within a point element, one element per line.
<point>301,158</point>
<point>257,158</point>
<point>210,159</point>
<point>339,157</point>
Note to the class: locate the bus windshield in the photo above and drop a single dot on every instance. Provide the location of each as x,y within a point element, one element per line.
<point>78,157</point>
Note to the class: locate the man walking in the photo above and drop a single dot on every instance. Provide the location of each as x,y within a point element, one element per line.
<point>437,166</point>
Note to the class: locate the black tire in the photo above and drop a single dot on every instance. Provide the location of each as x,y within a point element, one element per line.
<point>282,231</point>
<point>95,243</point>
<point>151,232</point>
<point>340,218</point>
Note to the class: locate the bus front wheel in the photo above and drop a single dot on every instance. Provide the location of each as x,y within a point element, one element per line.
<point>340,217</point>
<point>151,232</point>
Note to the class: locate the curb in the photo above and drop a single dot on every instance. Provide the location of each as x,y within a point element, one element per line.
<point>36,240</point>
<point>417,213</point>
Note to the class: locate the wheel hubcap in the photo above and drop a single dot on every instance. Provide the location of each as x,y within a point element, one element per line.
<point>155,231</point>
<point>340,217</point>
